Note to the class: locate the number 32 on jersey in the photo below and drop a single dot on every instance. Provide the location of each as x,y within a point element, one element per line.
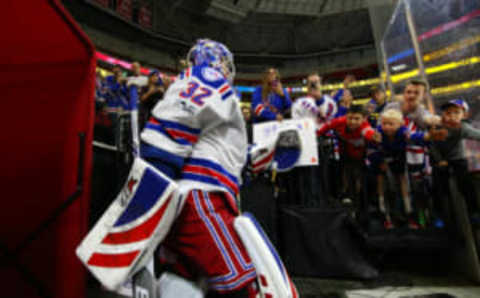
<point>196,93</point>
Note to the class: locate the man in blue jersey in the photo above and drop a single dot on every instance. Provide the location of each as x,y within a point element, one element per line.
<point>116,93</point>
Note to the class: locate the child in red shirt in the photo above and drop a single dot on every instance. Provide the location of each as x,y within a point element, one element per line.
<point>353,132</point>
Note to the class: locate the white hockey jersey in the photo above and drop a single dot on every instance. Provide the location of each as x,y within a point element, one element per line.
<point>320,111</point>
<point>327,107</point>
<point>199,128</point>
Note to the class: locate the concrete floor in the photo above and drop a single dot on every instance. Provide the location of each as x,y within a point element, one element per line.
<point>390,285</point>
<point>394,286</point>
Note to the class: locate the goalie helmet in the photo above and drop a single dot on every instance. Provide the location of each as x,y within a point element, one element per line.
<point>207,52</point>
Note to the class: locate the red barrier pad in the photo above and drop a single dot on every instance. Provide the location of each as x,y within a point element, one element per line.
<point>47,89</point>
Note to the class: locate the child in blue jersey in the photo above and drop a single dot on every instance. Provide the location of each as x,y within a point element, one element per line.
<point>391,154</point>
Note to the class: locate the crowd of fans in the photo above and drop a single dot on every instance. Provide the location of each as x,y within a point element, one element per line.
<point>397,148</point>
<point>121,92</point>
<point>390,158</point>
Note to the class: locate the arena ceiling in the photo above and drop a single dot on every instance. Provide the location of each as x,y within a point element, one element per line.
<point>296,35</point>
<point>270,28</point>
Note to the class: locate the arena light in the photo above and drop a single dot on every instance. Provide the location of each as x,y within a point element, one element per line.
<point>434,32</point>
<point>332,86</point>
<point>115,61</point>
<point>399,67</point>
<point>465,43</point>
<point>103,72</point>
<point>245,89</point>
<point>456,87</point>
<point>367,82</point>
<point>373,81</point>
<point>450,25</point>
<point>435,91</point>
<point>405,75</point>
<point>362,101</point>
<point>436,69</point>
<point>453,65</point>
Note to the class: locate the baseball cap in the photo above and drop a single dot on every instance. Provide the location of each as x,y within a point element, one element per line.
<point>455,102</point>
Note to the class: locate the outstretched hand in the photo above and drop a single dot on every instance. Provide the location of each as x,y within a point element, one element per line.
<point>433,120</point>
<point>437,134</point>
<point>377,137</point>
<point>277,88</point>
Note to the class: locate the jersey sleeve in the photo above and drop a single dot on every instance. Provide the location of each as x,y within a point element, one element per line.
<point>420,116</point>
<point>332,124</point>
<point>287,99</point>
<point>259,110</point>
<point>297,110</point>
<point>191,106</point>
<point>338,95</point>
<point>327,107</point>
<point>470,132</point>
<point>367,131</point>
<point>415,137</point>
<point>304,107</point>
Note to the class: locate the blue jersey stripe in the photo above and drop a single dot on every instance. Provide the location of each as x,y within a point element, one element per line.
<point>226,95</point>
<point>178,126</point>
<point>160,129</point>
<point>207,180</point>
<point>149,151</point>
<point>212,165</point>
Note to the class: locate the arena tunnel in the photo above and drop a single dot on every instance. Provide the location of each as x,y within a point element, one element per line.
<point>47,83</point>
<point>69,133</point>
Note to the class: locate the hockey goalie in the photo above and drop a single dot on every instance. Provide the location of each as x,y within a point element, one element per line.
<point>179,205</point>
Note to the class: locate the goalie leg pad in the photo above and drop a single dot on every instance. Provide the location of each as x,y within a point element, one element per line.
<point>272,276</point>
<point>125,237</point>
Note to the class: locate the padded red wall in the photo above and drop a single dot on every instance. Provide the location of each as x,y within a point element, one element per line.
<point>47,73</point>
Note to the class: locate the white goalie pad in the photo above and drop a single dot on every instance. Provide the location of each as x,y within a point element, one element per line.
<point>125,237</point>
<point>273,279</point>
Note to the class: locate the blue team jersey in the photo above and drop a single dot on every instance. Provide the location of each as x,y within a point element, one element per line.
<point>398,144</point>
<point>338,95</point>
<point>275,104</point>
<point>341,111</point>
<point>116,94</point>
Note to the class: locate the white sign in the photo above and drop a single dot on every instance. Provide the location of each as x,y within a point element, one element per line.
<point>262,132</point>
